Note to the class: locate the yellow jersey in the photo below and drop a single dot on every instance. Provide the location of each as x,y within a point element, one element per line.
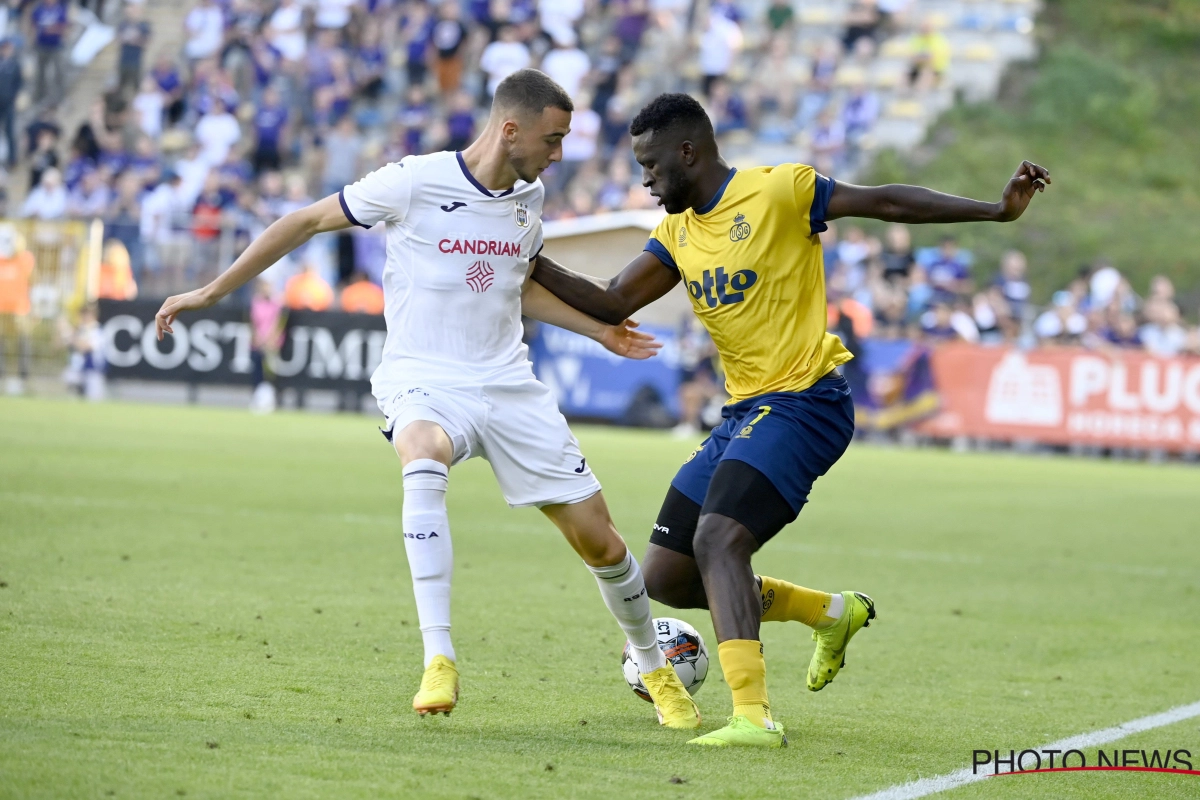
<point>752,264</point>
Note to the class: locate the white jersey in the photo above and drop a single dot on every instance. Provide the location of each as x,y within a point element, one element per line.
<point>457,257</point>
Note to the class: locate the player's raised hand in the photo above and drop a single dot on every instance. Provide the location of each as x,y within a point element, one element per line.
<point>625,341</point>
<point>195,299</point>
<point>1029,178</point>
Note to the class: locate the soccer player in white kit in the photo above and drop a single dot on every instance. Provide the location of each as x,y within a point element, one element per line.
<point>455,379</point>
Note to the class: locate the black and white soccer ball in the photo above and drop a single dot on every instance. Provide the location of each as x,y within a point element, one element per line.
<point>684,649</point>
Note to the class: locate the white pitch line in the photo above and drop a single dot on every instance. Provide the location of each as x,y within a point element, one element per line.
<point>952,780</point>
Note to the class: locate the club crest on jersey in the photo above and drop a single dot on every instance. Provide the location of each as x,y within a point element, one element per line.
<point>480,277</point>
<point>522,215</point>
<point>740,229</point>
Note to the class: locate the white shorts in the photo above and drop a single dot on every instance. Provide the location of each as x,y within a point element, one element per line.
<point>517,427</point>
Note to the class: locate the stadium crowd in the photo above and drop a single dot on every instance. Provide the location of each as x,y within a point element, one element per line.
<point>888,289</point>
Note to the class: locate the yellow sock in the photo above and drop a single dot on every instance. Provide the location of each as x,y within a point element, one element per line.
<point>746,673</point>
<point>783,602</point>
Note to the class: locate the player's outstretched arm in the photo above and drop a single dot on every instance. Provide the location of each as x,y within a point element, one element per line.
<point>642,282</point>
<point>915,204</point>
<point>280,238</point>
<point>622,338</point>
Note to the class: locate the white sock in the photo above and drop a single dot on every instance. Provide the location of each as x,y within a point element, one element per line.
<point>624,592</point>
<point>837,607</point>
<point>430,556</point>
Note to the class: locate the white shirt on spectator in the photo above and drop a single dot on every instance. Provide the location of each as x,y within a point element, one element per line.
<point>558,17</point>
<point>192,171</point>
<point>216,132</point>
<point>149,109</point>
<point>501,59</point>
<point>205,26</point>
<point>83,205</point>
<point>721,41</point>
<point>285,33</point>
<point>334,14</point>
<point>580,143</point>
<point>161,209</point>
<point>568,66</point>
<point>1163,340</point>
<point>44,203</point>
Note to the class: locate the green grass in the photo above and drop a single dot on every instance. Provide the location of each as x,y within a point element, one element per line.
<point>200,601</point>
<point>1111,108</point>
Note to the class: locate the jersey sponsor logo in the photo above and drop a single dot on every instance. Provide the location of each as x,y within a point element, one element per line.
<point>480,276</point>
<point>457,204</point>
<point>422,536</point>
<point>522,215</point>
<point>713,288</point>
<point>740,229</point>
<point>480,247</point>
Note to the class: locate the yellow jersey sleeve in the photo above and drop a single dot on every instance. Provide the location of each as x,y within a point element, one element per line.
<point>662,242</point>
<point>813,191</point>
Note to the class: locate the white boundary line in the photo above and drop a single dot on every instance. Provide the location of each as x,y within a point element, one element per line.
<point>942,783</point>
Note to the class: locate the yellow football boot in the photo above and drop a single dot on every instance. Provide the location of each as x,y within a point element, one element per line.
<point>674,705</point>
<point>439,688</point>
<point>830,655</point>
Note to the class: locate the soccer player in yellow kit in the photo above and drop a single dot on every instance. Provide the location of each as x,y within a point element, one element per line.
<point>744,244</point>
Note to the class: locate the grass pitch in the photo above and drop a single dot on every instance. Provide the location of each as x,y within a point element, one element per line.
<point>203,603</point>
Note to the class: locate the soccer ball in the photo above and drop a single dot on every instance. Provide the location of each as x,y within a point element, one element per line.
<point>684,649</point>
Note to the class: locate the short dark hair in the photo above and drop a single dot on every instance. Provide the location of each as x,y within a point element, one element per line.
<point>675,110</point>
<point>531,92</point>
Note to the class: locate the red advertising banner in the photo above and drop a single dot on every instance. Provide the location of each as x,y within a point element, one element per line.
<point>1067,396</point>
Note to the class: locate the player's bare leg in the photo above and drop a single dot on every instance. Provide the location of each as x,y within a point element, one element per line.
<point>425,452</point>
<point>589,529</point>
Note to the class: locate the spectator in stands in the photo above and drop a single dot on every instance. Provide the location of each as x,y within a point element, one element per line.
<point>503,57</point>
<point>930,57</point>
<point>992,317</point>
<point>1162,335</point>
<point>937,324</point>
<point>1061,324</point>
<point>580,145</point>
<point>729,111</point>
<point>449,39</point>
<point>116,273</point>
<point>50,23</point>
<point>780,15</point>
<point>216,132</point>
<point>859,113</point>
<point>10,87</point>
<point>920,293</point>
<point>862,21</point>
<point>267,321</point>
<point>148,106</point>
<point>16,268</point>
<point>134,34</point>
<point>205,27</point>
<point>820,83</point>
<point>567,64</point>
<point>362,296</point>
<point>828,142</point>
<point>91,197</point>
<point>950,270</point>
<point>166,74</point>
<point>1121,330</point>
<point>48,200</point>
<point>698,376</point>
<point>720,43</point>
<point>270,131</point>
<point>1012,283</point>
<point>307,290</point>
<point>343,152</point>
<point>460,122</point>
<point>897,253</point>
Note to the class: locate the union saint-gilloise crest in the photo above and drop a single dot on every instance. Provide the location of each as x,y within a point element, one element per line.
<point>740,229</point>
<point>522,214</point>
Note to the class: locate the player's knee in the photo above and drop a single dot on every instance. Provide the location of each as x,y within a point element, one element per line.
<point>423,439</point>
<point>719,538</point>
<point>664,589</point>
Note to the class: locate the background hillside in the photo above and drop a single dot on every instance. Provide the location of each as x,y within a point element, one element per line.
<point>1112,108</point>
